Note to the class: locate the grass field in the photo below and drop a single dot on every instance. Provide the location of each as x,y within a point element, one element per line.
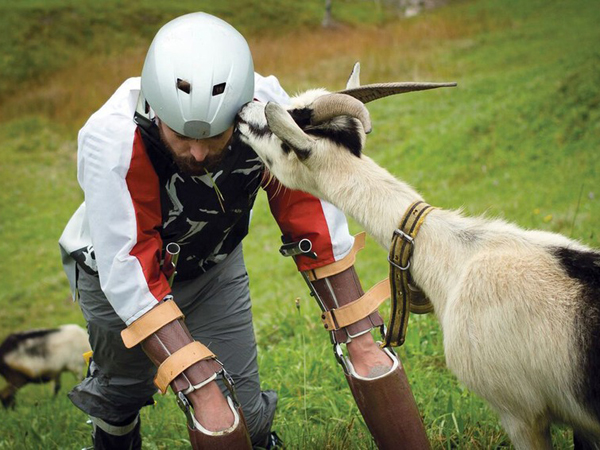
<point>519,138</point>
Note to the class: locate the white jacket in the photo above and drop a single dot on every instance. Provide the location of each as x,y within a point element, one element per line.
<point>116,233</point>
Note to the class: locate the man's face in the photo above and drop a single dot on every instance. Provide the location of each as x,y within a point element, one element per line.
<point>195,156</point>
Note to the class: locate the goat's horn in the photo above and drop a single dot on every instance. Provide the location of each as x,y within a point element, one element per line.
<point>283,126</point>
<point>370,92</point>
<point>336,104</point>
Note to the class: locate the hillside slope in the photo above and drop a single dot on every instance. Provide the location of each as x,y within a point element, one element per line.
<point>518,138</point>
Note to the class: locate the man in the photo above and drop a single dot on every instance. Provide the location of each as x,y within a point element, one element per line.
<point>159,164</point>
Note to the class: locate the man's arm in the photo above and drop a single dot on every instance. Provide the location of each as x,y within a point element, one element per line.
<point>123,208</point>
<point>303,216</point>
<point>375,376</point>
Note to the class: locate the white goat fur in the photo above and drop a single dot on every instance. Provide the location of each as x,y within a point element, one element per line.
<point>505,305</point>
<point>40,358</point>
<point>66,353</point>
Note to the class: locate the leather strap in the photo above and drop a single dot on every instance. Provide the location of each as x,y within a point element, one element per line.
<point>166,312</point>
<point>337,291</point>
<point>168,340</point>
<point>342,264</point>
<point>405,297</point>
<point>179,361</point>
<point>337,318</point>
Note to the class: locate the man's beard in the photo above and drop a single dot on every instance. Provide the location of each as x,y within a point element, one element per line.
<point>188,164</point>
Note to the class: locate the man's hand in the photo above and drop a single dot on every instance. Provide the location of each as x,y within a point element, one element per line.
<point>368,359</point>
<point>211,408</point>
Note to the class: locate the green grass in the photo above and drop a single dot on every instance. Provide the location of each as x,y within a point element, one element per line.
<point>519,138</point>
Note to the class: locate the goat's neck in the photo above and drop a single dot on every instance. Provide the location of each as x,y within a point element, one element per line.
<point>371,196</point>
<point>377,201</point>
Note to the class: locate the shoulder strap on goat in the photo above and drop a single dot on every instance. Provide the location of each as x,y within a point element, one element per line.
<point>405,296</point>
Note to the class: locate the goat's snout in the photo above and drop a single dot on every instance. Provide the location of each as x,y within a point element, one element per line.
<point>252,113</point>
<point>251,122</point>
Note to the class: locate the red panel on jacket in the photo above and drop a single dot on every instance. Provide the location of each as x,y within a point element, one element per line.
<point>296,213</point>
<point>143,186</point>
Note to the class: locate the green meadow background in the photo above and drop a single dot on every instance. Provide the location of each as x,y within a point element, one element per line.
<point>519,138</point>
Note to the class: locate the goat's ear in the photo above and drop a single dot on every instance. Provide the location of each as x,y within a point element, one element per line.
<point>354,78</point>
<point>282,125</point>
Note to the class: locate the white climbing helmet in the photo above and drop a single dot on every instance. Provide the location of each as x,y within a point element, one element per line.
<point>197,75</point>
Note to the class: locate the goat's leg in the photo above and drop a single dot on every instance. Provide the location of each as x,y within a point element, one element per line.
<point>7,396</point>
<point>57,384</point>
<point>15,381</point>
<point>527,436</point>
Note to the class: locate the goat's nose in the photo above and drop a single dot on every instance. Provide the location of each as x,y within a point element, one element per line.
<point>199,150</point>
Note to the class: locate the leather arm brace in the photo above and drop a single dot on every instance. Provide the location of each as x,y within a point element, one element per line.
<point>182,362</point>
<point>347,311</point>
<point>341,290</point>
<point>186,365</point>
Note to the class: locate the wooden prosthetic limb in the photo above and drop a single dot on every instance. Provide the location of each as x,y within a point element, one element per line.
<point>385,401</point>
<point>389,408</point>
<point>186,365</point>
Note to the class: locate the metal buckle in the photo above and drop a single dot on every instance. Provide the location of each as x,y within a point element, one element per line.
<point>227,380</point>
<point>184,405</point>
<point>398,232</point>
<point>398,266</point>
<point>403,235</point>
<point>229,384</point>
<point>341,359</point>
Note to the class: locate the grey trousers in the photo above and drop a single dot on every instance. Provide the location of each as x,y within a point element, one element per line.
<point>217,310</point>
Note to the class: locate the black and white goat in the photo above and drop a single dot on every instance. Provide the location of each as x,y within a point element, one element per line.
<point>519,309</point>
<point>40,356</point>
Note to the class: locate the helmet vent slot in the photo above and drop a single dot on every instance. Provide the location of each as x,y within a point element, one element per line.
<point>184,86</point>
<point>218,89</point>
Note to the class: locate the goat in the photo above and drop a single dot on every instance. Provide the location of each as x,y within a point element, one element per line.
<point>519,309</point>
<point>40,356</point>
